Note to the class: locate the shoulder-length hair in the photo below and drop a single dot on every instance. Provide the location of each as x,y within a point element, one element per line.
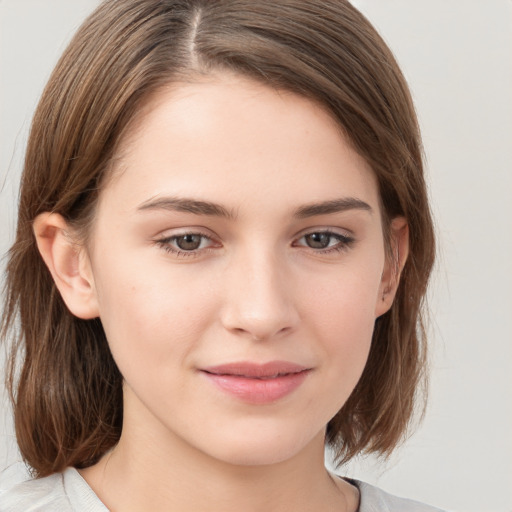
<point>65,387</point>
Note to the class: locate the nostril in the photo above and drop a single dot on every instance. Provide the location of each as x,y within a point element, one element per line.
<point>261,334</point>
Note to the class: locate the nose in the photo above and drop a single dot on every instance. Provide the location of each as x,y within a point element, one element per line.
<point>259,300</point>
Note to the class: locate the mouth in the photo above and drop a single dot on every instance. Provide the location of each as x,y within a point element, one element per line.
<point>257,383</point>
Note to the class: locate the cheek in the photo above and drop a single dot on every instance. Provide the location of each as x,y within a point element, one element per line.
<point>344,300</point>
<point>151,318</point>
<point>341,313</point>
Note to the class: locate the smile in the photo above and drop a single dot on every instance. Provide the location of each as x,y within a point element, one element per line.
<point>257,383</point>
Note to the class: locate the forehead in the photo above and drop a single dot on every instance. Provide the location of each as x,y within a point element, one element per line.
<point>225,137</point>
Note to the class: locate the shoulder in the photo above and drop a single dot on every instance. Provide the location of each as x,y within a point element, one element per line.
<point>60,492</point>
<point>374,499</point>
<point>36,494</point>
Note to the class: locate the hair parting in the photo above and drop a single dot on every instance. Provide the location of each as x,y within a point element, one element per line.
<point>64,385</point>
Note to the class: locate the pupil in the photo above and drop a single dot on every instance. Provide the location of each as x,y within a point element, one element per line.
<point>318,240</point>
<point>189,242</point>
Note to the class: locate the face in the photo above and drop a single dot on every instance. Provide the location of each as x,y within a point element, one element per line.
<point>237,264</point>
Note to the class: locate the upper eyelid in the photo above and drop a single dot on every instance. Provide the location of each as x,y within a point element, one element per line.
<point>206,233</point>
<point>335,231</point>
<point>177,232</point>
<point>172,238</point>
<point>339,236</point>
<point>166,239</point>
<point>343,239</point>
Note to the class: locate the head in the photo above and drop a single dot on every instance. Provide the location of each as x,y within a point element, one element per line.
<point>68,394</point>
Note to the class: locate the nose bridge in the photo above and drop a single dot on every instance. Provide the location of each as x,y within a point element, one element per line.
<point>259,302</point>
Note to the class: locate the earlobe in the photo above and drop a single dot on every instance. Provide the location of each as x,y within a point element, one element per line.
<point>68,264</point>
<point>399,240</point>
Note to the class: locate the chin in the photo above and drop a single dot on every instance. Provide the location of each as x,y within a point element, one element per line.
<point>262,450</point>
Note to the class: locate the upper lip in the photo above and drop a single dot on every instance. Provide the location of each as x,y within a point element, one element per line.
<point>256,370</point>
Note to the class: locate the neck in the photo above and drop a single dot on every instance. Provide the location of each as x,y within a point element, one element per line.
<point>150,469</point>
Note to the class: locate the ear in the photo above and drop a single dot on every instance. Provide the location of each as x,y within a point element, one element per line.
<point>68,263</point>
<point>399,242</point>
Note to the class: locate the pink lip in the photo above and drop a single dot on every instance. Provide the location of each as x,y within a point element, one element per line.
<point>257,383</point>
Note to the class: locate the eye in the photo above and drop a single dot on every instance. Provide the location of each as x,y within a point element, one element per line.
<point>318,240</point>
<point>186,244</point>
<point>189,242</point>
<point>325,241</point>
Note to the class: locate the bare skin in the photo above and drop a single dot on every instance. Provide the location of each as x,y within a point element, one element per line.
<point>199,485</point>
<point>240,228</point>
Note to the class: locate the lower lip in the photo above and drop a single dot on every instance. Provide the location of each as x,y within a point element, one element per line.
<point>258,391</point>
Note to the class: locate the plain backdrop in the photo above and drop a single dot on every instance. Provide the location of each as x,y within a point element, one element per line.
<point>457,56</point>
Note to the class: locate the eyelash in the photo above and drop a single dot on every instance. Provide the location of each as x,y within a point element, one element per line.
<point>165,244</point>
<point>344,243</point>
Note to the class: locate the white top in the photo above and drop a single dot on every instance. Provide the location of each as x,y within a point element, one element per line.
<point>69,492</point>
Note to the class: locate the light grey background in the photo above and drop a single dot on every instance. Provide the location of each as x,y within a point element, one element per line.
<point>457,56</point>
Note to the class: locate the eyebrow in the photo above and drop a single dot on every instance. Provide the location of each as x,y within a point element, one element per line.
<point>179,204</point>
<point>198,207</point>
<point>332,206</point>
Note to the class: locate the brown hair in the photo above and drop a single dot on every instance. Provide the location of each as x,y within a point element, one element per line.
<point>67,395</point>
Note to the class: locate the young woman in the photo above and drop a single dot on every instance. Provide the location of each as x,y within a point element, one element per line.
<point>223,245</point>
